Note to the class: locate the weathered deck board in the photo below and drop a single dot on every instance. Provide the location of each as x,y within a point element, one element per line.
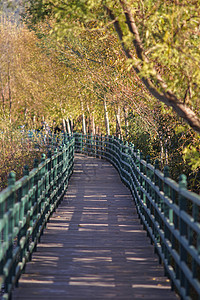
<point>94,246</point>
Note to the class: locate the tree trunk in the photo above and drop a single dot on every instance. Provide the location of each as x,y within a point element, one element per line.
<point>118,122</point>
<point>107,124</point>
<point>68,126</point>
<point>157,87</point>
<point>64,126</point>
<point>126,120</point>
<point>83,124</point>
<point>72,125</point>
<point>83,119</point>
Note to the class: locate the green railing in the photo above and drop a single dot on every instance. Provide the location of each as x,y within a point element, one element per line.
<point>169,212</point>
<point>25,207</point>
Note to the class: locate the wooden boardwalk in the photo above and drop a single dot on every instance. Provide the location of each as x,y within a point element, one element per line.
<point>94,246</point>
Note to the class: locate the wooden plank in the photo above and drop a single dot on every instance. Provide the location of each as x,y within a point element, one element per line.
<point>94,246</point>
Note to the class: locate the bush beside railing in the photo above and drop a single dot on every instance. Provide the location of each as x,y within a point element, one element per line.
<point>25,207</point>
<point>169,212</point>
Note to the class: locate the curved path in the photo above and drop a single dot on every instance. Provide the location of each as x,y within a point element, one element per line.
<point>94,246</point>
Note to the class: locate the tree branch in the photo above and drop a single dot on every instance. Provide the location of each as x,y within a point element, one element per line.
<point>165,95</point>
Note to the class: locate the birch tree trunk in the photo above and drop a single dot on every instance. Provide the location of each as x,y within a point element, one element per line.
<point>125,109</point>
<point>107,124</point>
<point>64,126</point>
<point>68,126</point>
<point>118,121</point>
<point>83,119</point>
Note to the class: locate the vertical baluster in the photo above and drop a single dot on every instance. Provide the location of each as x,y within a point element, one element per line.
<point>148,174</point>
<point>121,157</point>
<point>126,160</point>
<point>129,152</point>
<point>97,146</point>
<point>157,200</point>
<point>42,193</point>
<point>112,149</point>
<point>91,142</point>
<point>27,207</point>
<point>142,181</point>
<point>10,204</point>
<point>63,168</point>
<point>167,213</point>
<point>137,163</point>
<point>68,162</point>
<point>183,228</point>
<point>195,215</point>
<point>156,181</point>
<point>49,179</point>
<point>9,226</point>
<point>26,189</point>
<point>35,202</point>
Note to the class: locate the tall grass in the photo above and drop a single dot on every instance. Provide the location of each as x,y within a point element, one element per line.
<point>17,149</point>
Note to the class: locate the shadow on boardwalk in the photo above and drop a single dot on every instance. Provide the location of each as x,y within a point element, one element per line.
<point>94,246</point>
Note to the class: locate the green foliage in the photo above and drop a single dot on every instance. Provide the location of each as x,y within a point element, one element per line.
<point>141,135</point>
<point>71,62</point>
<point>169,33</point>
<point>192,155</point>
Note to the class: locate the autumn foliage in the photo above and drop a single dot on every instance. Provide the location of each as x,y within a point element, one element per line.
<point>81,79</point>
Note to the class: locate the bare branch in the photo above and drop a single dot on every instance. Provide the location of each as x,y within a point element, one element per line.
<point>162,93</point>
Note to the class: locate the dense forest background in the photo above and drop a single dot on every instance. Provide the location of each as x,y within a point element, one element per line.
<point>123,68</point>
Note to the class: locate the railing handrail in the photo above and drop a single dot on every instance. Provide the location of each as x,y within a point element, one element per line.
<point>169,212</point>
<point>25,207</point>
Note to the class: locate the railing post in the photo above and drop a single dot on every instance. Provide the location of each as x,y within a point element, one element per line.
<point>156,180</point>
<point>126,160</point>
<point>11,179</point>
<point>137,163</point>
<point>106,146</point>
<point>132,167</point>
<point>121,155</point>
<point>149,175</point>
<point>142,181</point>
<point>157,200</point>
<point>90,138</point>
<point>95,145</point>
<point>100,146</point>
<point>11,199</point>
<point>8,229</point>
<point>25,188</point>
<point>168,211</point>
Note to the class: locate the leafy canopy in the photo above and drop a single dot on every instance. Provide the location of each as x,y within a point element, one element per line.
<point>161,40</point>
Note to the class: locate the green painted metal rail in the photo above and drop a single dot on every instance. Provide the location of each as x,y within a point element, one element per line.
<point>25,207</point>
<point>169,212</point>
